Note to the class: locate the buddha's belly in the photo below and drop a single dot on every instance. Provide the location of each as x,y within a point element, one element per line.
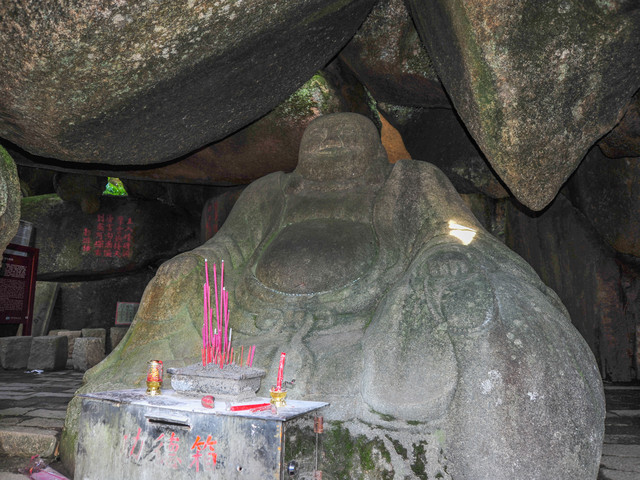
<point>317,256</point>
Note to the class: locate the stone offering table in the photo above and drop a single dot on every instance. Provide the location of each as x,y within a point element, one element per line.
<point>127,434</point>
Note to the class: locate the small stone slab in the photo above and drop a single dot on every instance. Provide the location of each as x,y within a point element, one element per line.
<point>71,335</point>
<point>231,383</point>
<point>87,352</point>
<point>126,312</point>
<point>48,353</point>
<point>27,441</point>
<point>100,333</point>
<point>14,352</point>
<point>625,464</point>
<point>43,303</point>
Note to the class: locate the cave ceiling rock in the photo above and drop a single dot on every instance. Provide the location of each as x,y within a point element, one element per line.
<point>536,83</point>
<point>138,83</point>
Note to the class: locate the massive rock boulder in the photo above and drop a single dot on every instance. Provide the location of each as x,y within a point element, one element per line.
<point>423,332</point>
<point>133,83</point>
<point>536,83</point>
<point>267,145</point>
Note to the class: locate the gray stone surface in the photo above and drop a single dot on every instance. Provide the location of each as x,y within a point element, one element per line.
<point>605,190</point>
<point>88,351</point>
<point>14,352</point>
<point>48,353</point>
<point>100,333</point>
<point>97,299</point>
<point>439,342</point>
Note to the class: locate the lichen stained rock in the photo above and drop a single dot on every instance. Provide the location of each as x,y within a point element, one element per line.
<point>536,83</point>
<point>9,199</point>
<point>133,83</point>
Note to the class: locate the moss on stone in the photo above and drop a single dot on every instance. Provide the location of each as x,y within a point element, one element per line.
<point>314,96</point>
<point>353,457</point>
<point>418,466</point>
<point>299,441</point>
<point>398,447</point>
<point>415,422</point>
<point>482,81</point>
<point>6,158</point>
<point>383,416</point>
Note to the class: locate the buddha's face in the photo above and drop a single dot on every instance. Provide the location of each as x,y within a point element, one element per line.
<point>337,146</point>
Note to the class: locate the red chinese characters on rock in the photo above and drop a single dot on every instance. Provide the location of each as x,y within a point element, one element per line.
<point>173,460</point>
<point>164,450</point>
<point>112,237</point>
<point>137,445</point>
<point>201,447</point>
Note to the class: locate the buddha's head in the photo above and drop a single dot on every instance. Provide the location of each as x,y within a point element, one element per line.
<point>340,146</point>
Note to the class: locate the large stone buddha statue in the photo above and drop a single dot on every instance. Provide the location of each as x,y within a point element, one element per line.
<point>394,305</point>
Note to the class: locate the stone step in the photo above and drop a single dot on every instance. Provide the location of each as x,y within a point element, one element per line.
<point>621,464</point>
<point>606,474</point>
<point>22,441</point>
<point>617,450</point>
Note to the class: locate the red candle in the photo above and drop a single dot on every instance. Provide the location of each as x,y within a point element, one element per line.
<point>280,372</point>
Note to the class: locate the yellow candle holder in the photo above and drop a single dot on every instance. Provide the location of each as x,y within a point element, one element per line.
<point>277,398</point>
<point>154,377</point>
<point>153,388</point>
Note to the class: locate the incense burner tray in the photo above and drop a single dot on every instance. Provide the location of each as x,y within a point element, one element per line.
<point>232,383</point>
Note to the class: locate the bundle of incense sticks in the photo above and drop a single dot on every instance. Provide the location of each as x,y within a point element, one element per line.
<point>216,342</point>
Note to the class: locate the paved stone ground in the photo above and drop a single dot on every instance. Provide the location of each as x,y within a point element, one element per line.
<point>621,451</point>
<point>32,411</point>
<point>33,407</point>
